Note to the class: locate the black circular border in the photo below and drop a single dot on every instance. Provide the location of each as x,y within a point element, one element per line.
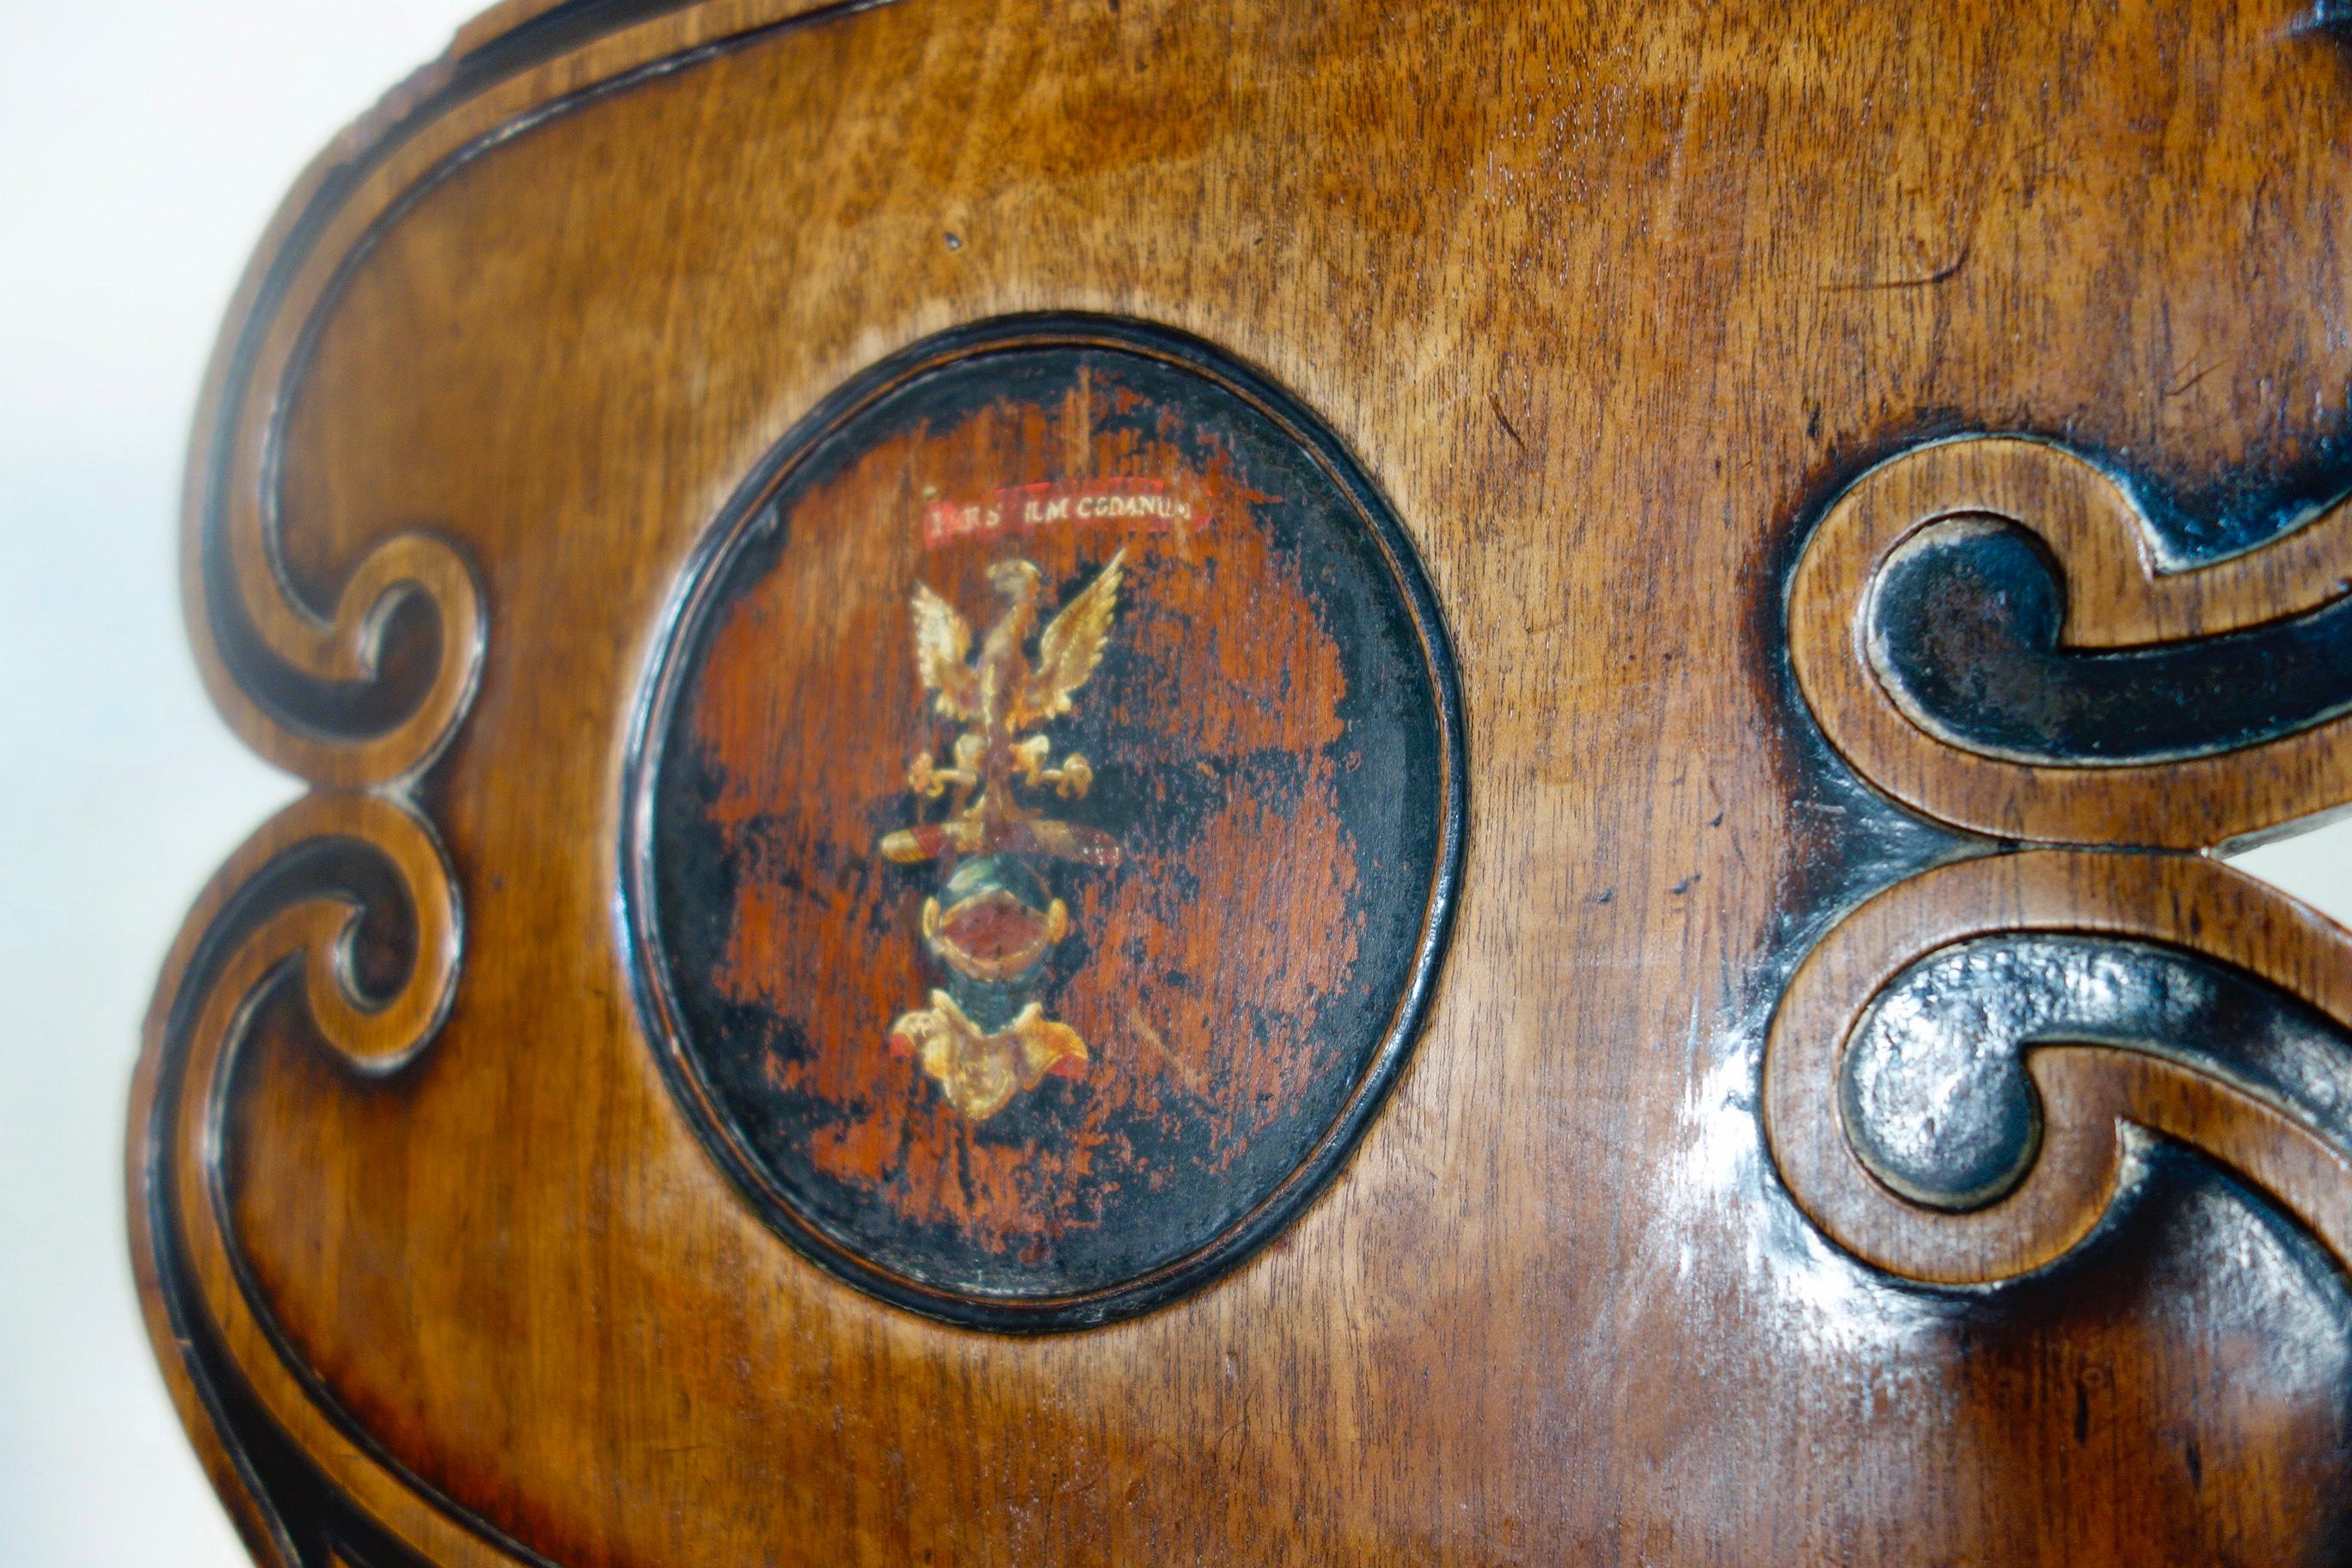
<point>640,936</point>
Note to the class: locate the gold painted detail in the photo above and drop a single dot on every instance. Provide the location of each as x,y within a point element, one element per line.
<point>997,697</point>
<point>980,1072</point>
<point>994,920</point>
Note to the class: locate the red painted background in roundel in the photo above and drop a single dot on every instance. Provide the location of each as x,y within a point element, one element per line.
<point>1048,822</point>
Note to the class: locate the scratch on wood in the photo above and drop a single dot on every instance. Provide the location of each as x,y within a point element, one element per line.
<point>2194,378</point>
<point>1151,1036</point>
<point>1943,274</point>
<point>1503,419</point>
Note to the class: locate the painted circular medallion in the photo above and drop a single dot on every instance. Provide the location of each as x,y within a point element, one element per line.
<point>1043,823</point>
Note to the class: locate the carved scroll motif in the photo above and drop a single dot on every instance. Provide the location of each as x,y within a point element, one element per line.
<point>2026,729</point>
<point>347,894</point>
<point>2025,1176</point>
<point>1959,1074</point>
<point>335,873</point>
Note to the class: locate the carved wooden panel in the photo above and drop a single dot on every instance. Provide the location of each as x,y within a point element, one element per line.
<point>1178,784</point>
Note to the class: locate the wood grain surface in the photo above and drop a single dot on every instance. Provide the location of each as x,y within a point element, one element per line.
<point>1662,331</point>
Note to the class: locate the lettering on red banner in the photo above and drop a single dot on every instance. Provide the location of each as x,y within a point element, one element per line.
<point>1149,506</point>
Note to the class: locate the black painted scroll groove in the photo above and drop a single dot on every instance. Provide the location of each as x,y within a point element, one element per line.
<point>1964,631</point>
<point>407,641</point>
<point>1932,1089</point>
<point>313,1524</point>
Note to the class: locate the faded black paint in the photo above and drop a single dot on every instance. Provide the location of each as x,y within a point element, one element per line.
<point>1398,769</point>
<point>1965,625</point>
<point>1934,1089</point>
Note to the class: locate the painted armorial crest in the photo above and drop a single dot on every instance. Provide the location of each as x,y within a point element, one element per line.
<point>1064,1016</point>
<point>1279,784</point>
<point>992,937</point>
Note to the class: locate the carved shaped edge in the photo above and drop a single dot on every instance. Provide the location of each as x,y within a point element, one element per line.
<point>1926,651</point>
<point>2117,594</point>
<point>326,691</point>
<point>289,911</point>
<point>2092,1096</point>
<point>357,698</point>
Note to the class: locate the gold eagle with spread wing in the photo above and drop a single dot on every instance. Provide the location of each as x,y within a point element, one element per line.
<point>997,697</point>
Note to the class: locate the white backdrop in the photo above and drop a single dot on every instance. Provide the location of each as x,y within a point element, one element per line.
<point>142,146</point>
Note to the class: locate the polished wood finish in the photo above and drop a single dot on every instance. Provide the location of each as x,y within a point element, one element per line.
<point>2119,595</point>
<point>1661,331</point>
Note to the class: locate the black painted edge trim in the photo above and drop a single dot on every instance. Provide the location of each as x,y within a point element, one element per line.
<point>311,1519</point>
<point>305,1514</point>
<point>635,919</point>
<point>292,698</point>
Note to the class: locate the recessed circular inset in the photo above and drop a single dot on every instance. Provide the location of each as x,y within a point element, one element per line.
<point>1042,822</point>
